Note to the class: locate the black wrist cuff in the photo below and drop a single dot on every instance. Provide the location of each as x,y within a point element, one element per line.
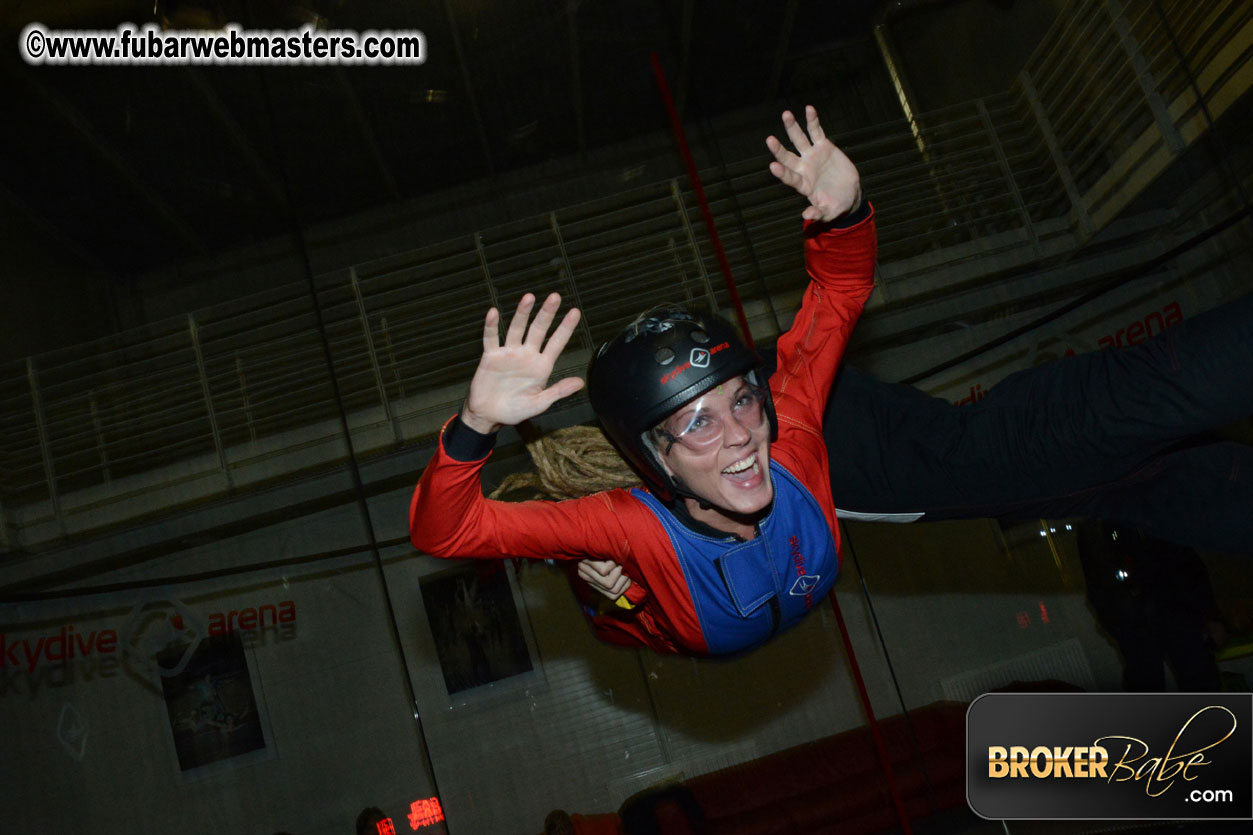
<point>845,221</point>
<point>465,444</point>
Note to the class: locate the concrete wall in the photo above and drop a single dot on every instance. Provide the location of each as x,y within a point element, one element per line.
<point>90,739</point>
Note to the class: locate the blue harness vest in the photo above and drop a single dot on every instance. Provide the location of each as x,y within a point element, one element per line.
<point>745,593</point>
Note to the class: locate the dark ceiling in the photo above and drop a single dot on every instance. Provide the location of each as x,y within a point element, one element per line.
<point>134,167</point>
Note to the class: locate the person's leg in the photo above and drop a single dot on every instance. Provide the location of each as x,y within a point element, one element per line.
<point>1143,662</point>
<point>1144,658</point>
<point>889,445</point>
<point>1041,435</point>
<point>1191,660</point>
<point>1199,496</point>
<point>1191,378</point>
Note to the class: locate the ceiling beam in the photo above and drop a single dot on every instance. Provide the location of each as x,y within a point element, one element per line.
<point>576,75</point>
<point>781,50</point>
<point>367,133</point>
<point>683,82</point>
<point>64,240</point>
<point>234,131</point>
<point>114,161</point>
<point>469,85</point>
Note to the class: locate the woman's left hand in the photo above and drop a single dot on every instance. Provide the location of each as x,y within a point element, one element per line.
<point>818,170</point>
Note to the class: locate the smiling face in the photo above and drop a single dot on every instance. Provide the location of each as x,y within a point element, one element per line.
<point>718,447</point>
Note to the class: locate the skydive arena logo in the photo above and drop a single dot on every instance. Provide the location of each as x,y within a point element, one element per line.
<point>1110,756</point>
<point>158,637</point>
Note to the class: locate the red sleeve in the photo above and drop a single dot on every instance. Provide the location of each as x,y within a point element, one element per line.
<point>449,517</point>
<point>841,271</point>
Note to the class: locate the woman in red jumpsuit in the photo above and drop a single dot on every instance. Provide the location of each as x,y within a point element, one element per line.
<point>733,536</point>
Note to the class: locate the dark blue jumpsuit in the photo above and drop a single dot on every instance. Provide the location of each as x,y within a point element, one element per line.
<point>1116,435</point>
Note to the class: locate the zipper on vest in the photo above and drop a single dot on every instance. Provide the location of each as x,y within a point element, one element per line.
<point>776,611</point>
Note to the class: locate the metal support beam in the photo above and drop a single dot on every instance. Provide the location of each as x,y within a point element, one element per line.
<point>469,85</point>
<point>903,93</point>
<point>487,273</point>
<point>45,446</point>
<point>371,353</point>
<point>6,541</point>
<point>1008,172</point>
<point>239,140</point>
<point>574,287</point>
<point>64,242</point>
<point>780,51</point>
<point>576,75</point>
<point>391,356</point>
<point>243,399</point>
<point>1059,160</point>
<point>681,207</point>
<point>673,249</point>
<point>99,430</point>
<point>367,133</point>
<point>684,81</point>
<point>114,161</point>
<point>194,332</point>
<point>1144,77</point>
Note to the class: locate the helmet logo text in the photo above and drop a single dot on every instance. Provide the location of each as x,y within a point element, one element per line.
<point>699,358</point>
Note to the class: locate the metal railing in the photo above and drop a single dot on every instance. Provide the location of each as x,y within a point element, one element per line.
<point>1112,100</point>
<point>238,393</point>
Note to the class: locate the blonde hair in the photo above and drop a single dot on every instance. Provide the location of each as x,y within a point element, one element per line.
<point>570,463</point>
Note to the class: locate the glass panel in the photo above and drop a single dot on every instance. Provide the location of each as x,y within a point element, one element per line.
<point>199,638</point>
<point>212,618</point>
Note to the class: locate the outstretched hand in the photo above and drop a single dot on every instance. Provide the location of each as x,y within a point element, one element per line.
<point>511,382</point>
<point>818,170</point>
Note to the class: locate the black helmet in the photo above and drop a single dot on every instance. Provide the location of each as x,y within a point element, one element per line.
<point>656,364</point>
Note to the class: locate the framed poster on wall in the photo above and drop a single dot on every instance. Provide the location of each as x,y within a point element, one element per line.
<point>479,636</point>
<point>213,711</point>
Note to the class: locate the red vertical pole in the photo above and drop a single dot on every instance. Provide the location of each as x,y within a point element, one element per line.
<point>694,177</point>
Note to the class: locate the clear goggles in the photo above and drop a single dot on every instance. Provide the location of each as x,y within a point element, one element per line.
<point>701,424</point>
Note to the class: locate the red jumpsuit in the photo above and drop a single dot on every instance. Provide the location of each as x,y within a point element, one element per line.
<point>449,516</point>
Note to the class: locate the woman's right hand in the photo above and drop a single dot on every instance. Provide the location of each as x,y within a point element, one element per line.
<point>605,576</point>
<point>511,382</point>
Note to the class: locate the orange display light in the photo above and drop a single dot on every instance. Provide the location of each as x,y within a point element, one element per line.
<point>425,812</point>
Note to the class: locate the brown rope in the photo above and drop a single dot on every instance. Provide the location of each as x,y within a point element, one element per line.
<point>569,463</point>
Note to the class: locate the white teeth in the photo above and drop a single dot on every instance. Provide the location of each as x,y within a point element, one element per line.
<point>741,466</point>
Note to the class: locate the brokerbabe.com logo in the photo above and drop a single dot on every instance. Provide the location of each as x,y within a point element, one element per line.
<point>1110,756</point>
